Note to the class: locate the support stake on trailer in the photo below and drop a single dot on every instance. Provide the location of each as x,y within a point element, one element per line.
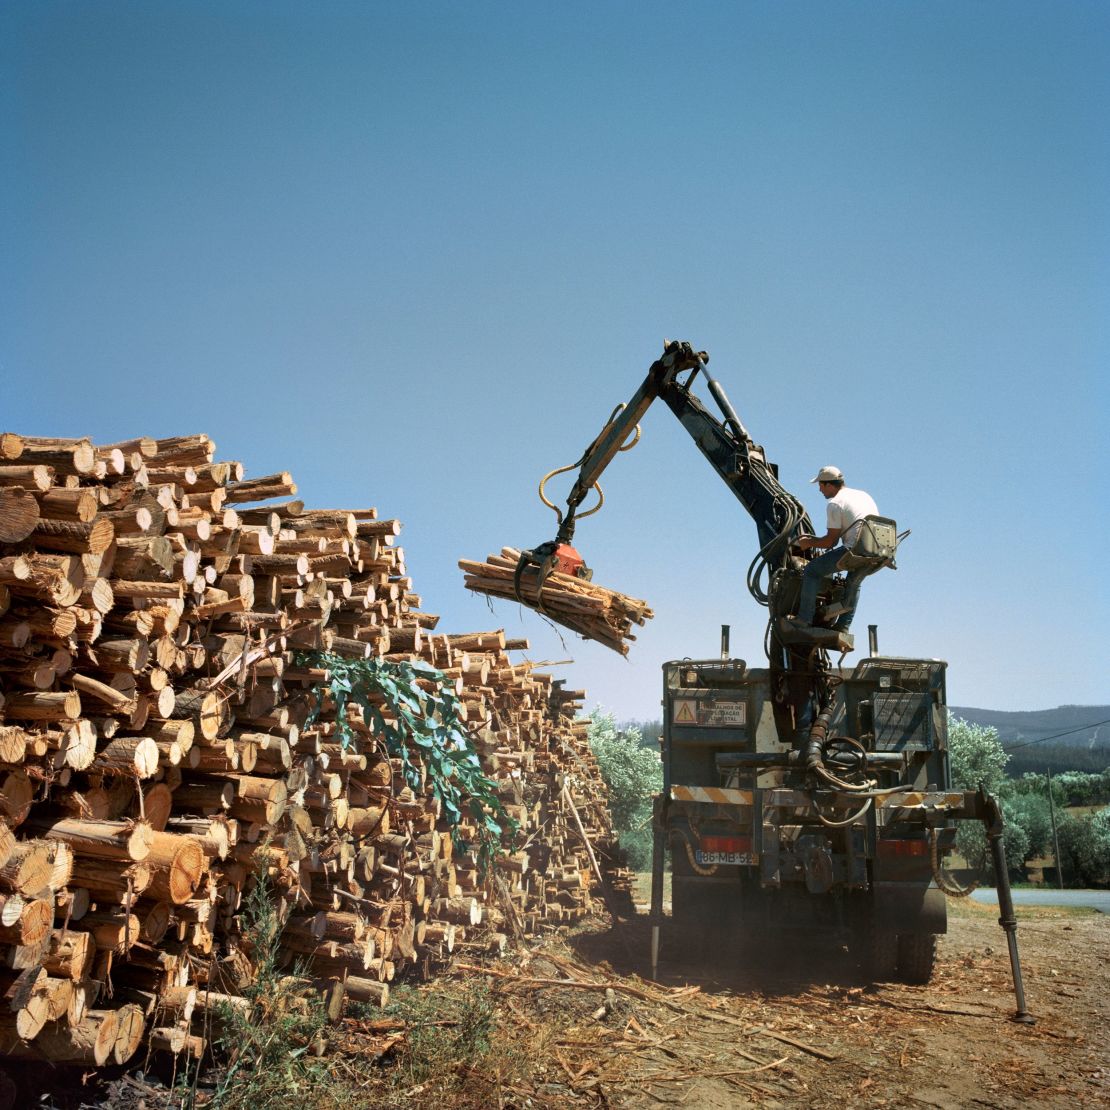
<point>657,853</point>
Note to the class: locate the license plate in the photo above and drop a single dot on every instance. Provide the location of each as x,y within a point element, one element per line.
<point>734,858</point>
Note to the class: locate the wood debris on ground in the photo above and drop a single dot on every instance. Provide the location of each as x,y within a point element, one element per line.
<point>591,610</point>
<point>165,746</point>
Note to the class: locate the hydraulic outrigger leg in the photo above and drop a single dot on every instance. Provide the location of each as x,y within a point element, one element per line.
<point>990,813</point>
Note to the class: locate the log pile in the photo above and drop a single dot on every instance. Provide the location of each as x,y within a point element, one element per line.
<point>165,746</point>
<point>593,611</point>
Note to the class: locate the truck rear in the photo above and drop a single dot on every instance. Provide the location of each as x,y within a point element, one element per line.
<point>840,834</point>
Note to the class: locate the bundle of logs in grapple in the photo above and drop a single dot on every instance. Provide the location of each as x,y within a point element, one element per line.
<point>170,742</point>
<point>593,611</point>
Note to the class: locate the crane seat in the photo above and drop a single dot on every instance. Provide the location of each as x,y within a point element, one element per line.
<point>874,547</point>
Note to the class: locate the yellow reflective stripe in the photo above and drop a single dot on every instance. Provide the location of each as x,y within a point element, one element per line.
<point>716,794</point>
<point>919,798</point>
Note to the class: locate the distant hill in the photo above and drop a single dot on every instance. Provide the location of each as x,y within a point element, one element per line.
<point>1086,749</point>
<point>1016,727</point>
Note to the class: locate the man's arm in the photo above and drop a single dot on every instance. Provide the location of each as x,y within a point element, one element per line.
<point>829,539</point>
<point>833,522</point>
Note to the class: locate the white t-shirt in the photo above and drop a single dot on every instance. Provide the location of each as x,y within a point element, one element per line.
<point>847,509</point>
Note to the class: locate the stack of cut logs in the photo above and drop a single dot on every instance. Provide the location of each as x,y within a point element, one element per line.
<point>593,611</point>
<point>160,754</point>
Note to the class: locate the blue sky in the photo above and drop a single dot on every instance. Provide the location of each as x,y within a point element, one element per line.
<point>416,253</point>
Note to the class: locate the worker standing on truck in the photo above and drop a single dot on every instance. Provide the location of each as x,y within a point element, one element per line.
<point>845,512</point>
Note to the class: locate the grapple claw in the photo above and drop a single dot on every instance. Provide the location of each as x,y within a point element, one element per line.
<point>548,558</point>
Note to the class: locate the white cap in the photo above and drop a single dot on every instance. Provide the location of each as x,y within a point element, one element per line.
<point>828,474</point>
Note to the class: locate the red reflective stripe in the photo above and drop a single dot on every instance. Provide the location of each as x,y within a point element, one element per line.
<point>903,847</point>
<point>725,843</point>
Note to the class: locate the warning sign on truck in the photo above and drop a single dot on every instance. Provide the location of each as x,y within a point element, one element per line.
<point>706,713</point>
<point>685,713</point>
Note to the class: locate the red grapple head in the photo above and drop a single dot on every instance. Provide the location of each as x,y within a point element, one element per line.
<point>568,561</point>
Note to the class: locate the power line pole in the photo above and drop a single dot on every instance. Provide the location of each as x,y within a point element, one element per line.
<point>1055,838</point>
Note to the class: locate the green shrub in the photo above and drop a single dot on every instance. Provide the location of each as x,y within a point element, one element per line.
<point>448,1031</point>
<point>267,1052</point>
<point>633,773</point>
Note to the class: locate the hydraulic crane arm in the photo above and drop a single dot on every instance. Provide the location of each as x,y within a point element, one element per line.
<point>724,441</point>
<point>798,663</point>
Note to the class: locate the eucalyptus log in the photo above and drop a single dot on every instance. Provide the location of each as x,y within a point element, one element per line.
<point>30,919</point>
<point>119,840</point>
<point>176,864</point>
<point>19,514</point>
<point>203,708</point>
<point>114,881</point>
<point>28,869</point>
<point>93,538</point>
<point>69,954</point>
<point>129,1034</point>
<point>112,930</point>
<point>63,705</point>
<point>32,477</point>
<point>90,1041</point>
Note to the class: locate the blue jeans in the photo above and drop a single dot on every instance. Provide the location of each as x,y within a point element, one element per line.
<point>816,571</point>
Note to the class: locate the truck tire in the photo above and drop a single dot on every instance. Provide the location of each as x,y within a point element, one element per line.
<point>917,953</point>
<point>884,954</point>
<point>876,952</point>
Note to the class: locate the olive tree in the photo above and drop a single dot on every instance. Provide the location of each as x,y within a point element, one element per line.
<point>1032,813</point>
<point>1085,848</point>
<point>976,758</point>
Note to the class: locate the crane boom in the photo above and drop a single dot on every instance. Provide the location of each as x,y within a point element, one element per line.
<point>799,669</point>
<point>740,463</point>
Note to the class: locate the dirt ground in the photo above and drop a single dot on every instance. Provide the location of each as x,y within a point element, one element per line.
<point>575,1022</point>
<point>811,1033</point>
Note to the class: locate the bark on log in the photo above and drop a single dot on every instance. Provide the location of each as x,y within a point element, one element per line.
<point>134,756</point>
<point>112,930</point>
<point>367,990</point>
<point>114,881</point>
<point>93,538</point>
<point>61,706</point>
<point>90,1041</point>
<point>29,477</point>
<point>120,840</point>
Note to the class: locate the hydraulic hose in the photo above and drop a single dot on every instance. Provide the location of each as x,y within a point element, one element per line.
<point>943,880</point>
<point>829,823</point>
<point>697,868</point>
<point>813,761</point>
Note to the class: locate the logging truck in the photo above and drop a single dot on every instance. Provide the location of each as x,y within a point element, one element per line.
<point>798,795</point>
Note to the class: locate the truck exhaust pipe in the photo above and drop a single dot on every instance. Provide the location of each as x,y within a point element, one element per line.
<point>724,643</point>
<point>873,639</point>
